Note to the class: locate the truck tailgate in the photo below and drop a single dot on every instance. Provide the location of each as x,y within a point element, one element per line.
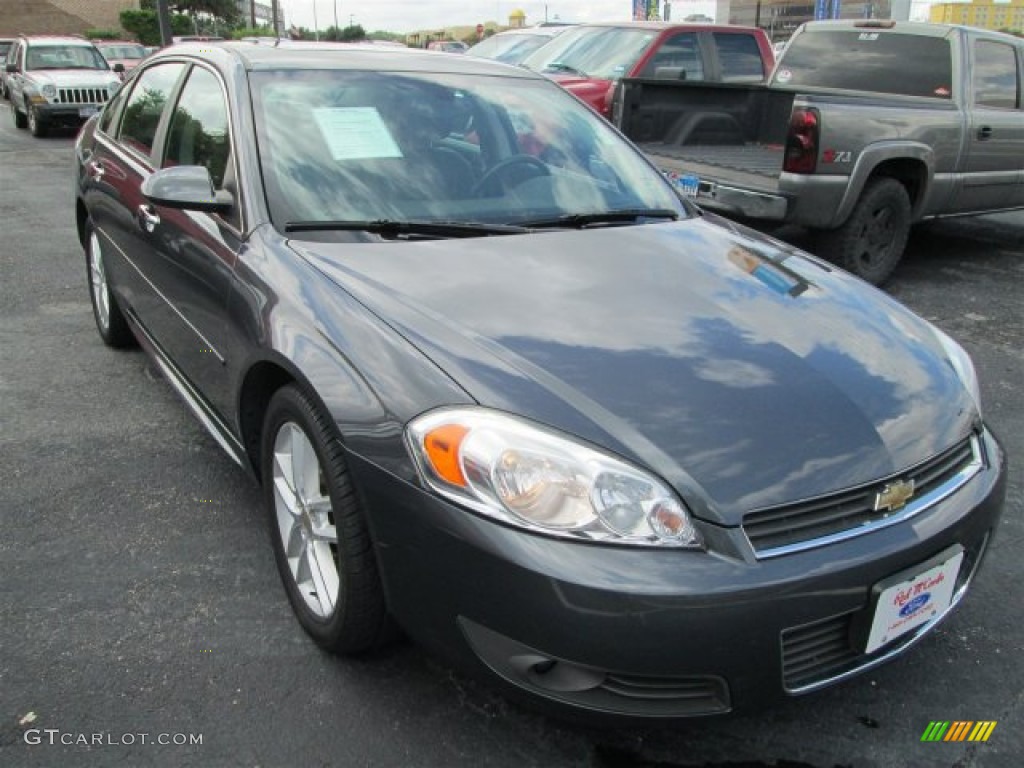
<point>751,166</point>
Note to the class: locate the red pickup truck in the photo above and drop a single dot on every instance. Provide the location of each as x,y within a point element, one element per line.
<point>588,60</point>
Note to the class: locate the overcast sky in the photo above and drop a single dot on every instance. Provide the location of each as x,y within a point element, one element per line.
<point>410,15</point>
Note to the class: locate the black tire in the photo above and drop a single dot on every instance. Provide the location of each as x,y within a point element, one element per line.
<point>870,244</point>
<point>110,322</point>
<point>20,120</point>
<point>37,126</point>
<point>353,619</point>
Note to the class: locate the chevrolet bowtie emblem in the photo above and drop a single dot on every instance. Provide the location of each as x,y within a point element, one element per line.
<point>894,495</point>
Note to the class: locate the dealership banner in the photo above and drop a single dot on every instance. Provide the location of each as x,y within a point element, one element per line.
<point>645,9</point>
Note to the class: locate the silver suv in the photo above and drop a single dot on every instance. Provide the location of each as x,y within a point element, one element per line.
<point>57,81</point>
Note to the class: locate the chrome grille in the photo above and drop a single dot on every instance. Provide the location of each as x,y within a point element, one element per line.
<point>782,530</point>
<point>82,95</point>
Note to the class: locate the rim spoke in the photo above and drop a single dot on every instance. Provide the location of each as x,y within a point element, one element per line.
<point>305,469</point>
<point>324,575</point>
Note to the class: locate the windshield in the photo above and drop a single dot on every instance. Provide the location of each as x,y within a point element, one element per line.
<point>64,57</point>
<point>510,49</point>
<point>869,60</point>
<point>600,52</point>
<point>349,146</point>
<point>122,51</point>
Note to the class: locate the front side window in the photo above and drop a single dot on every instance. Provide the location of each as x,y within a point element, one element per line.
<point>338,145</point>
<point>995,75</point>
<point>146,105</point>
<point>198,134</point>
<point>678,58</point>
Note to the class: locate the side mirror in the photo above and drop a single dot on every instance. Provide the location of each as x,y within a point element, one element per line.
<point>12,68</point>
<point>188,188</point>
<point>118,67</point>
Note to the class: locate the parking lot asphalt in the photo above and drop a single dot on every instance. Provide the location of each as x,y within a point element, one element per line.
<point>139,601</point>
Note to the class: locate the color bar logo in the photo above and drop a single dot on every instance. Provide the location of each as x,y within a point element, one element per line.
<point>958,730</point>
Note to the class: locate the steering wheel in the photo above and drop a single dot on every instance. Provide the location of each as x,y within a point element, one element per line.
<point>517,169</point>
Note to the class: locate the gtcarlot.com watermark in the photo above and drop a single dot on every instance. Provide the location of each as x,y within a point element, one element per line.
<point>55,736</point>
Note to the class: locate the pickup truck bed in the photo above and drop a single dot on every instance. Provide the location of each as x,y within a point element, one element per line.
<point>757,166</point>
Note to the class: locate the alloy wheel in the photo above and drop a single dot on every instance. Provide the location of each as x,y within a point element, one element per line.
<point>305,520</point>
<point>98,281</point>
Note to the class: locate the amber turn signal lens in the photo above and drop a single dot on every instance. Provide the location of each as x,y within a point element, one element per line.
<point>442,449</point>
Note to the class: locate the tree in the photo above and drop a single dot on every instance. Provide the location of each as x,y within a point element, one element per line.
<point>145,27</point>
<point>352,33</point>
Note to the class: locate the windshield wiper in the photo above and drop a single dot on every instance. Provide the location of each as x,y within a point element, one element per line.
<point>561,66</point>
<point>393,228</point>
<point>583,220</point>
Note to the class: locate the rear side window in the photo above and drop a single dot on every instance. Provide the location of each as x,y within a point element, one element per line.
<point>870,60</point>
<point>995,75</point>
<point>739,58</point>
<point>146,105</point>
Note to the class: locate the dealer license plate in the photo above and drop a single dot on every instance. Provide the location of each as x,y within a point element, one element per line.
<point>686,183</point>
<point>87,111</point>
<point>913,601</point>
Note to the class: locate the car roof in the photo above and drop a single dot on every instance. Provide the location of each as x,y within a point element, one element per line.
<point>56,40</point>
<point>923,28</point>
<point>660,26</point>
<point>355,56</point>
<point>535,31</point>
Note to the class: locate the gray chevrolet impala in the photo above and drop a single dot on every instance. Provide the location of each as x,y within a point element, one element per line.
<point>504,390</point>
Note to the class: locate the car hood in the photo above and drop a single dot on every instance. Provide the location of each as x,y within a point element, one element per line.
<point>74,78</point>
<point>743,372</point>
<point>592,90</point>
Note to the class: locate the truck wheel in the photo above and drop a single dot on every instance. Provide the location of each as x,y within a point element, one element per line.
<point>20,120</point>
<point>36,125</point>
<point>870,244</point>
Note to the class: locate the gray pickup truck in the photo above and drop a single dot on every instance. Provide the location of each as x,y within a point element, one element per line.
<point>864,128</point>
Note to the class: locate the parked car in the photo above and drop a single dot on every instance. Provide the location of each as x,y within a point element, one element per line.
<point>448,46</point>
<point>514,45</point>
<point>6,43</point>
<point>123,52</point>
<point>57,81</point>
<point>866,127</point>
<point>590,59</point>
<point>542,413</point>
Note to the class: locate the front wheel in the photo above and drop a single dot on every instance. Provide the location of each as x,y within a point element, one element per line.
<point>20,120</point>
<point>321,543</point>
<point>36,125</point>
<point>870,243</point>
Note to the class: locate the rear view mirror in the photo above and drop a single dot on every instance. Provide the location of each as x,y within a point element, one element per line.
<point>186,187</point>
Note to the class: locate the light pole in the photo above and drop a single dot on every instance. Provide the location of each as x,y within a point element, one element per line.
<point>336,26</point>
<point>316,26</point>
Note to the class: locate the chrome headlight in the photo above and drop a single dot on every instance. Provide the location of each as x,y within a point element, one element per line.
<point>962,364</point>
<point>49,91</point>
<point>513,471</point>
<point>113,87</point>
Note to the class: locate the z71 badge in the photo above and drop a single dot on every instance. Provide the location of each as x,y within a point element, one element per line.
<point>836,156</point>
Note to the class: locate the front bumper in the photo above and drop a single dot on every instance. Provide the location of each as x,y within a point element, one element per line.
<point>65,114</point>
<point>653,633</point>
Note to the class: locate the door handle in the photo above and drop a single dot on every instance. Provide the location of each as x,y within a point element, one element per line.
<point>148,218</point>
<point>985,133</point>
